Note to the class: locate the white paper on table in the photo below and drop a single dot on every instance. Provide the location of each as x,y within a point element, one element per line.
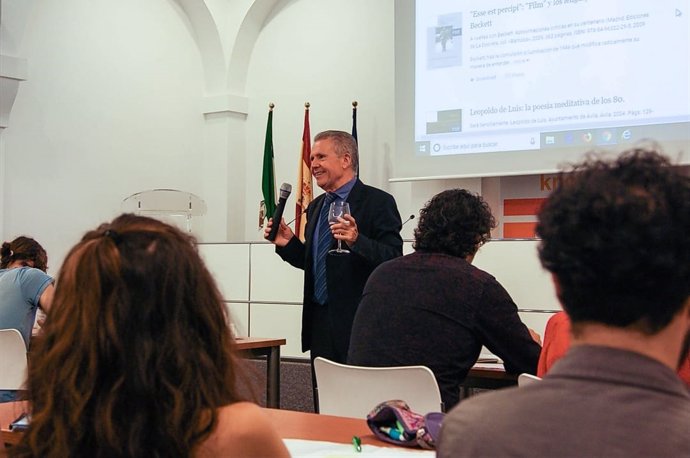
<point>300,448</point>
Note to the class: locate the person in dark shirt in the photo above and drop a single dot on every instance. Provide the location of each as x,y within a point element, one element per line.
<point>615,235</point>
<point>434,308</point>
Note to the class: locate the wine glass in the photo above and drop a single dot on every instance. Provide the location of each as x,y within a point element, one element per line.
<point>337,210</point>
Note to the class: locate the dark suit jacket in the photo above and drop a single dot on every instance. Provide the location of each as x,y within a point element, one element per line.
<point>379,224</point>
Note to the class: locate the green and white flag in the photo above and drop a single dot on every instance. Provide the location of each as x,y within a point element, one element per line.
<point>268,179</point>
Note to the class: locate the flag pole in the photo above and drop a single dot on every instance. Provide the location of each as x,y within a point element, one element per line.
<point>354,119</point>
<point>354,126</point>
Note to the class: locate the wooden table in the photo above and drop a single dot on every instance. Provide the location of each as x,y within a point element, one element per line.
<point>329,428</point>
<point>290,425</point>
<point>311,426</point>
<point>10,411</point>
<point>270,348</point>
<point>488,376</point>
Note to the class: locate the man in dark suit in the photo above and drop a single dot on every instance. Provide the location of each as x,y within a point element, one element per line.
<point>333,284</point>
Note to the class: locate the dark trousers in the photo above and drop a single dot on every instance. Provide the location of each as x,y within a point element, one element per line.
<point>322,344</point>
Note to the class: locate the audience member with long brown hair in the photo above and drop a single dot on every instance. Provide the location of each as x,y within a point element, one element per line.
<point>138,358</point>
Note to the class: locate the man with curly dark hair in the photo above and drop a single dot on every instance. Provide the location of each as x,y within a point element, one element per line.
<point>434,308</point>
<point>616,237</point>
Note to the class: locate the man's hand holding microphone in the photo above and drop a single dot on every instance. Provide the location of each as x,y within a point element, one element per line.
<point>345,229</point>
<point>280,234</point>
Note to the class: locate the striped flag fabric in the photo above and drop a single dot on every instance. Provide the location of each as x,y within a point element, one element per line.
<point>268,180</point>
<point>305,186</point>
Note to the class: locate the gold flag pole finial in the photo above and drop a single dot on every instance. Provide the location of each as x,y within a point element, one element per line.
<point>354,104</point>
<point>271,106</point>
<point>307,105</point>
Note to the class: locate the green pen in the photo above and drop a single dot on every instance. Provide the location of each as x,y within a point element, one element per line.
<point>400,428</point>
<point>357,443</point>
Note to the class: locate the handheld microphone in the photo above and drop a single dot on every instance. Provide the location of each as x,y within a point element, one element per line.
<point>285,190</point>
<point>408,220</point>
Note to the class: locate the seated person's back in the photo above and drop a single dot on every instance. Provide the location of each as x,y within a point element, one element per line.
<point>434,308</point>
<point>557,341</point>
<point>24,287</point>
<point>615,235</point>
<point>137,357</point>
<point>24,284</point>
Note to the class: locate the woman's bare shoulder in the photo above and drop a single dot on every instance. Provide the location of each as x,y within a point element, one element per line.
<point>243,430</point>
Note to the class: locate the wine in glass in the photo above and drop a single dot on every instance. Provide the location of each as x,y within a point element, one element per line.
<point>337,210</point>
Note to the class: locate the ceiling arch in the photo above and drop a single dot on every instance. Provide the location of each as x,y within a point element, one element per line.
<point>226,75</point>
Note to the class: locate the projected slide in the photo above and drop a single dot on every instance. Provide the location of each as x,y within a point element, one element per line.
<point>514,76</point>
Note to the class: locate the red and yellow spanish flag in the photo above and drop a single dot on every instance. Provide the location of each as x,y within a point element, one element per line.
<point>305,187</point>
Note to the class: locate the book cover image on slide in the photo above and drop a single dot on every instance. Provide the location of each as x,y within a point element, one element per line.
<point>444,41</point>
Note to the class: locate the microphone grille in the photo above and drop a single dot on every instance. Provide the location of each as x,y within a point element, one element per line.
<point>285,190</point>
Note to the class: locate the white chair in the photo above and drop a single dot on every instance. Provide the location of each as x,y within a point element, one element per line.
<point>353,391</point>
<point>526,379</point>
<point>13,361</point>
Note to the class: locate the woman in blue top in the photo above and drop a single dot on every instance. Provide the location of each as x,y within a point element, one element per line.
<point>24,287</point>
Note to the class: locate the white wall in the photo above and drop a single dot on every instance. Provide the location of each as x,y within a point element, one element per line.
<point>108,98</point>
<point>329,53</point>
<point>109,108</point>
<point>310,52</point>
<point>127,96</point>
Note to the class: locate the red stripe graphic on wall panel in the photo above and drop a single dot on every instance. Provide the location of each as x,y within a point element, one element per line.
<point>522,207</point>
<point>519,230</point>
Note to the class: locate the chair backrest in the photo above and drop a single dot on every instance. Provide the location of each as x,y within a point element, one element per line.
<point>13,362</point>
<point>353,391</point>
<point>525,379</point>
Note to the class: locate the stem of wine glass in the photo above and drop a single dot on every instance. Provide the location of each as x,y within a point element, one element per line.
<point>339,246</point>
